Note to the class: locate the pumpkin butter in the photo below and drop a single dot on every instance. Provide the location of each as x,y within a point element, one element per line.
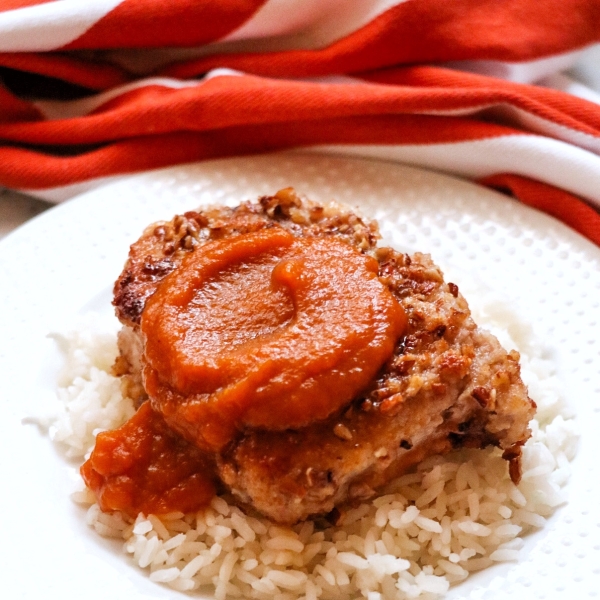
<point>265,330</point>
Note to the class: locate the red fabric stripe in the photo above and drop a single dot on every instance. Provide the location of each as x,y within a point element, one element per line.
<point>224,103</point>
<point>552,105</point>
<point>237,100</point>
<point>436,78</point>
<point>416,31</point>
<point>154,126</point>
<point>27,169</point>
<point>89,74</point>
<point>426,31</point>
<point>14,109</point>
<point>152,23</point>
<point>566,207</point>
<point>21,168</point>
<point>12,4</point>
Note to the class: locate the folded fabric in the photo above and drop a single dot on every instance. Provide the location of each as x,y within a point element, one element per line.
<point>100,88</point>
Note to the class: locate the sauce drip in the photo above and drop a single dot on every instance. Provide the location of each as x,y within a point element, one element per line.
<point>145,467</point>
<point>265,330</point>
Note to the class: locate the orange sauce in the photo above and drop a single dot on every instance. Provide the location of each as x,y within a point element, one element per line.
<point>262,330</point>
<point>143,466</point>
<point>265,330</point>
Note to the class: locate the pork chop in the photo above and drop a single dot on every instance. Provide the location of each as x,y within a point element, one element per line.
<point>448,384</point>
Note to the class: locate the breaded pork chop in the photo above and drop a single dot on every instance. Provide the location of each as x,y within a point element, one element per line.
<point>447,385</point>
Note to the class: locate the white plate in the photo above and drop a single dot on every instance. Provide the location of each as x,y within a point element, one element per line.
<point>64,262</point>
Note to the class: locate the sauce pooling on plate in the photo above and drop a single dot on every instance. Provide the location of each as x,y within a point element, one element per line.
<point>260,330</point>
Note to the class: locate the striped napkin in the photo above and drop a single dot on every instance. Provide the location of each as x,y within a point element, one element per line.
<point>98,88</point>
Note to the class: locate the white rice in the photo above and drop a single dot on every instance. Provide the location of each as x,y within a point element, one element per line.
<point>426,531</point>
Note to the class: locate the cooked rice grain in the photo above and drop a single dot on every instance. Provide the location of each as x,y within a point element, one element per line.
<point>455,515</point>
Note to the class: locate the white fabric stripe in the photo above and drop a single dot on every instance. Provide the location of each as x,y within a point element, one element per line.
<point>508,113</point>
<point>514,114</point>
<point>551,161</point>
<point>537,124</point>
<point>564,83</point>
<point>150,59</point>
<point>49,26</point>
<point>520,72</point>
<point>309,24</point>
<point>283,24</point>
<point>586,69</point>
<point>276,26</point>
<point>79,108</point>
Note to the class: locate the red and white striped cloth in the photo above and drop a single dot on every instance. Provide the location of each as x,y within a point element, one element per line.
<point>97,88</point>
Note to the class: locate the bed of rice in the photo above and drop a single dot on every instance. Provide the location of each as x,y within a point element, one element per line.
<point>428,530</point>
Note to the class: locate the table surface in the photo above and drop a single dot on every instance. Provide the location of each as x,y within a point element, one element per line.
<point>17,208</point>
